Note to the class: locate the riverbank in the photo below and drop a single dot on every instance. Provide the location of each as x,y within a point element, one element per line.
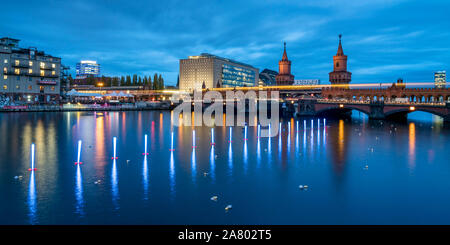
<point>90,107</point>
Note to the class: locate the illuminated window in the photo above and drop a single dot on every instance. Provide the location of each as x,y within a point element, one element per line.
<point>30,63</point>
<point>5,77</point>
<point>42,73</point>
<point>6,61</point>
<point>30,71</point>
<point>30,87</point>
<point>5,87</point>
<point>53,88</point>
<point>17,62</point>
<point>17,87</point>
<point>5,70</point>
<point>53,73</point>
<point>53,65</point>
<point>17,71</point>
<point>42,65</point>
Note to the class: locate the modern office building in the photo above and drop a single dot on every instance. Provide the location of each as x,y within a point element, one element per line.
<point>267,78</point>
<point>440,79</point>
<point>210,71</point>
<point>87,68</point>
<point>307,82</point>
<point>28,74</point>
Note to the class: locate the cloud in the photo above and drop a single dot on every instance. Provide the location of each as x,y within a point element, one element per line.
<point>143,37</point>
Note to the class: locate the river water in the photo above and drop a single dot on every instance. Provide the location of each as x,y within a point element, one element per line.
<point>357,171</point>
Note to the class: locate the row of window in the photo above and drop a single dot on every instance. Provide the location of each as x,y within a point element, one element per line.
<point>30,87</point>
<point>30,63</point>
<point>30,71</point>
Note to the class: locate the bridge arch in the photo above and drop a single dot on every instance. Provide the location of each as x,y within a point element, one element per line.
<point>405,111</point>
<point>346,108</point>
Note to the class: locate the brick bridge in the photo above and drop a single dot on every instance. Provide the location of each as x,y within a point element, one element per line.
<point>423,95</point>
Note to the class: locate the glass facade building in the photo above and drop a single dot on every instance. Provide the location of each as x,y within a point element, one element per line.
<point>87,68</point>
<point>235,76</point>
<point>211,71</point>
<point>439,79</point>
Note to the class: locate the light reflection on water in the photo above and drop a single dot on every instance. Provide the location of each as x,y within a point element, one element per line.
<point>342,147</point>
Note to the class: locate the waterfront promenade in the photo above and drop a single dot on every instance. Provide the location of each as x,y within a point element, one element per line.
<point>89,107</point>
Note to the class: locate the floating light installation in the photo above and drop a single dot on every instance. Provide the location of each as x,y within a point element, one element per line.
<point>79,154</point>
<point>230,137</point>
<point>171,143</point>
<point>245,132</point>
<point>114,147</point>
<point>212,137</point>
<point>32,159</point>
<point>193,139</point>
<point>145,146</point>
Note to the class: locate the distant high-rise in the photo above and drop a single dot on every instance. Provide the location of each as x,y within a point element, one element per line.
<point>439,79</point>
<point>211,71</point>
<point>87,68</point>
<point>340,75</point>
<point>284,76</point>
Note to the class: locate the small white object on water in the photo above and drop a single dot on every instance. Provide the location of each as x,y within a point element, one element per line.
<point>97,182</point>
<point>215,156</point>
<point>214,198</point>
<point>303,187</point>
<point>228,207</point>
<point>18,177</point>
<point>265,149</point>
<point>128,161</point>
<point>205,174</point>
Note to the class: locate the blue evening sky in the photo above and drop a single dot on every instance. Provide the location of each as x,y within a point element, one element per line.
<point>384,39</point>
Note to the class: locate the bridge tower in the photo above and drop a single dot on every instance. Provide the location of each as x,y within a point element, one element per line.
<point>284,76</point>
<point>340,75</point>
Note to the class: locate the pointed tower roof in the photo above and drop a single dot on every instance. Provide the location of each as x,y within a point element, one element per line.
<point>340,51</point>
<point>284,53</point>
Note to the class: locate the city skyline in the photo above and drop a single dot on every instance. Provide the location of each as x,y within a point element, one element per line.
<point>384,40</point>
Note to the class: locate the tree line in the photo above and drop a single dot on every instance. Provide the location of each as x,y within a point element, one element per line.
<point>129,80</point>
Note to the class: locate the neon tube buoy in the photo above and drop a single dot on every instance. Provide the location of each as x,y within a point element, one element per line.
<point>171,143</point>
<point>32,168</point>
<point>114,147</point>
<point>212,137</point>
<point>193,139</point>
<point>297,125</point>
<point>145,146</point>
<point>245,132</point>
<point>259,131</point>
<point>79,154</point>
<point>230,137</point>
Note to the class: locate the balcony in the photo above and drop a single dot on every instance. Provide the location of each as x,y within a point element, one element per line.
<point>23,73</point>
<point>20,65</point>
<point>46,68</point>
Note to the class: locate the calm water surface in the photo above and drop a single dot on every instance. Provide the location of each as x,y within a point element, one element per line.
<point>357,172</point>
